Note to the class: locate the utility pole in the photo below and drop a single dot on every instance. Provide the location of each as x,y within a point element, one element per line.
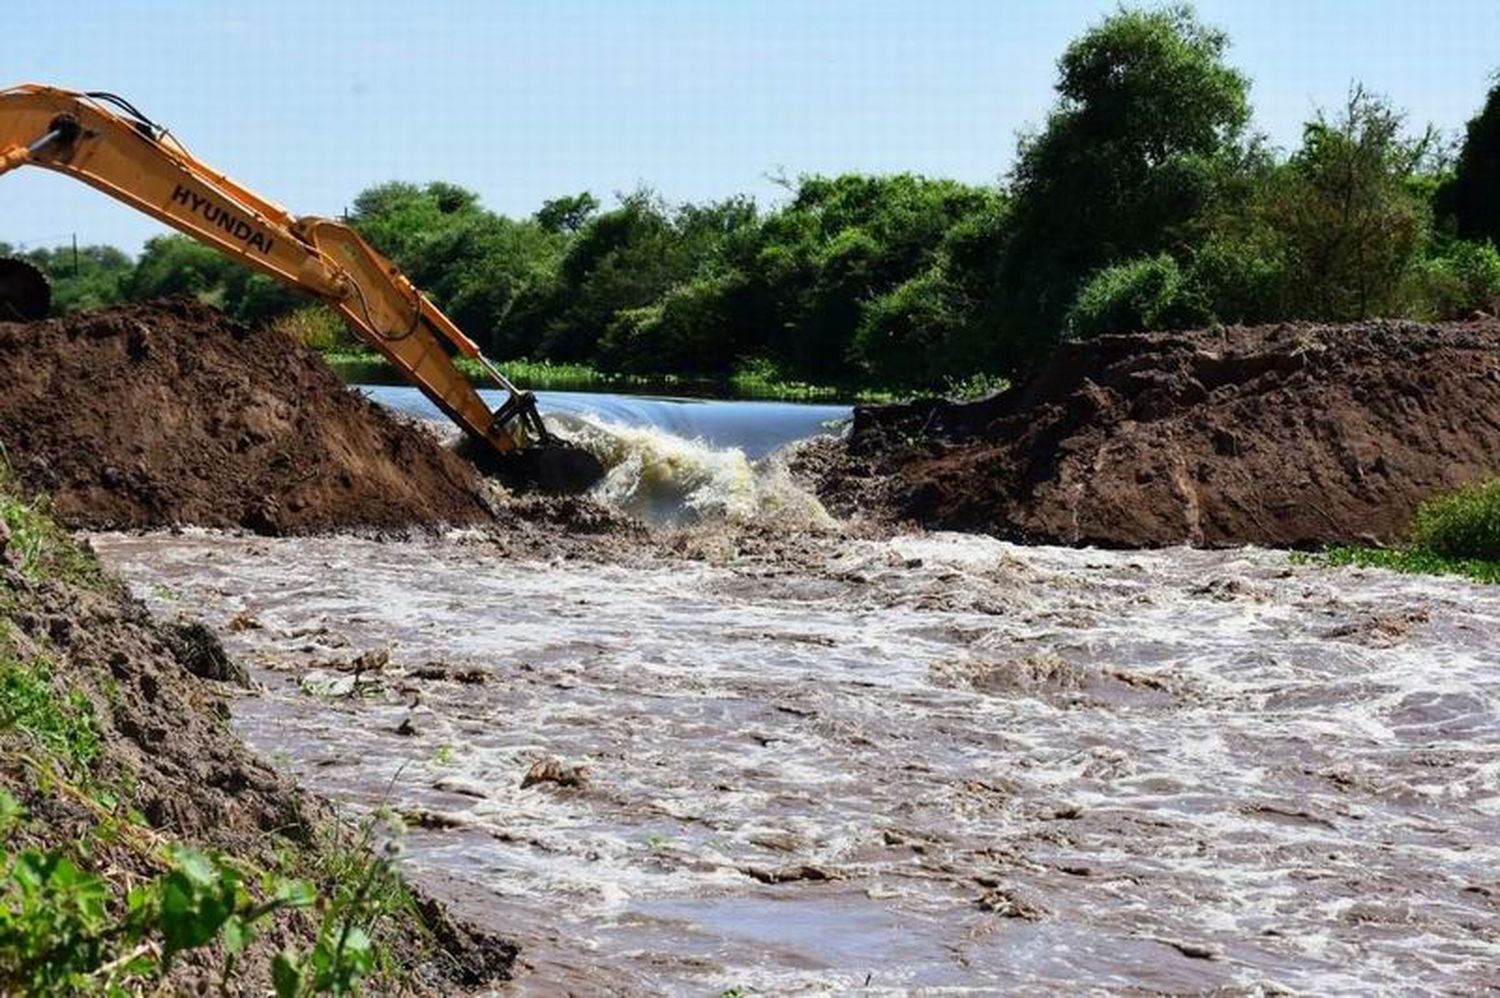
<point>75,254</point>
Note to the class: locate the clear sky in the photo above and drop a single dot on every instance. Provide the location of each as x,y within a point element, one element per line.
<point>310,101</point>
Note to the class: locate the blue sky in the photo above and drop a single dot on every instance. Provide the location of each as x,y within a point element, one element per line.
<point>310,101</point>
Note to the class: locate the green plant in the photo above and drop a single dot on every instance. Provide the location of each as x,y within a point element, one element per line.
<point>37,545</point>
<point>1463,524</point>
<point>61,724</point>
<point>1149,293</point>
<point>1412,562</point>
<point>975,386</point>
<point>363,889</point>
<point>315,326</point>
<point>1457,533</point>
<point>1460,278</point>
<point>65,929</point>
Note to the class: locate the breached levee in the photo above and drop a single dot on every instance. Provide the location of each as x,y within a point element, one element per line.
<point>1286,436</point>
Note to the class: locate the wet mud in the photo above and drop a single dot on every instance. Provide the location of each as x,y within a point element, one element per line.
<point>732,760</point>
<point>1285,436</point>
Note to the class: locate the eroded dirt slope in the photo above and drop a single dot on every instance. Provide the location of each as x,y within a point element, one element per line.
<point>168,412</point>
<point>1289,435</point>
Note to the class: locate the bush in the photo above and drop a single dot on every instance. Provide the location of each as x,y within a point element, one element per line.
<point>1463,524</point>
<point>1241,278</point>
<point>1461,278</point>
<point>1148,293</point>
<point>903,336</point>
<point>317,327</point>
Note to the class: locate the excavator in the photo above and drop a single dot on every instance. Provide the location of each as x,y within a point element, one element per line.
<point>104,141</point>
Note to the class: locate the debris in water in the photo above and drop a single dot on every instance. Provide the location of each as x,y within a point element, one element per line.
<point>555,771</point>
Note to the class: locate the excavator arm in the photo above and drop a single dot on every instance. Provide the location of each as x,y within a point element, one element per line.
<point>103,141</point>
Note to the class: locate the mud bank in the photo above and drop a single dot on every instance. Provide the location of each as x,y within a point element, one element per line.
<point>169,413</point>
<point>115,743</point>
<point>1285,436</point>
<point>934,761</point>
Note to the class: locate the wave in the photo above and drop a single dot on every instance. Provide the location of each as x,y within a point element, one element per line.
<point>664,478</point>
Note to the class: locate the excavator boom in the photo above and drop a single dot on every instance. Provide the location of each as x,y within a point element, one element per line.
<point>102,140</point>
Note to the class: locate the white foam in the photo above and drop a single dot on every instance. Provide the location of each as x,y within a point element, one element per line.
<point>662,477</point>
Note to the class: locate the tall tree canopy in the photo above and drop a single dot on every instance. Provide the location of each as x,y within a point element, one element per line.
<point>1147,131</point>
<point>1472,197</point>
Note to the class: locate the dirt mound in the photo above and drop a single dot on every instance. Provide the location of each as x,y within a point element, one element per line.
<point>1289,435</point>
<point>165,413</point>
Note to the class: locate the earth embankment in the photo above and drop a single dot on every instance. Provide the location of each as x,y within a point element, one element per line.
<point>167,413</point>
<point>1291,435</point>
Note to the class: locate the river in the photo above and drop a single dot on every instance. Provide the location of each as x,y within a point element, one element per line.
<point>757,428</point>
<point>811,760</point>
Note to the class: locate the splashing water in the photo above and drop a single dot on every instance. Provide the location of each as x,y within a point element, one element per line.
<point>927,762</point>
<point>664,478</point>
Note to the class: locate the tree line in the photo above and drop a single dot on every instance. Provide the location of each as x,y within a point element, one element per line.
<point>1145,201</point>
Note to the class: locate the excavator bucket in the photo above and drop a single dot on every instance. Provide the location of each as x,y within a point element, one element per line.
<point>555,468</point>
<point>25,295</point>
<point>545,464</point>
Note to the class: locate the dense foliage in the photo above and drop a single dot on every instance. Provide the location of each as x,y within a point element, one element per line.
<point>1145,201</point>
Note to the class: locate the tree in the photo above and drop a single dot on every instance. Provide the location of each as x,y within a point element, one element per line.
<point>397,217</point>
<point>177,265</point>
<point>1472,197</point>
<point>567,214</point>
<point>1346,211</point>
<point>1147,135</point>
<point>90,278</point>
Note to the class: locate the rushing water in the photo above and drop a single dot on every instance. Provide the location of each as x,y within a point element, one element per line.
<point>673,460</point>
<point>936,761</point>
<point>810,761</point>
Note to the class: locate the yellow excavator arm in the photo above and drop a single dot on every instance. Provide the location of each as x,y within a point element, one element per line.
<point>102,140</point>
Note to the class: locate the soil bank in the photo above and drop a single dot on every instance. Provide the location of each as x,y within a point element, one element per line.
<point>1292,435</point>
<point>167,413</point>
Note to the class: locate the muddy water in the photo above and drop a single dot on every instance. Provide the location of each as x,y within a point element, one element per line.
<point>929,761</point>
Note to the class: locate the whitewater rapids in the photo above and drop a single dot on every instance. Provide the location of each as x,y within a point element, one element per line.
<point>923,762</point>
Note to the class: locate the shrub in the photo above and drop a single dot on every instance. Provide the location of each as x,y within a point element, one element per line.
<point>1461,278</point>
<point>1148,293</point>
<point>1462,524</point>
<point>1241,278</point>
<point>317,327</point>
<point>903,336</point>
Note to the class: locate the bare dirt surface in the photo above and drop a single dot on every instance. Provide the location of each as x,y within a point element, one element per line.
<point>168,413</point>
<point>1285,436</point>
<point>909,762</point>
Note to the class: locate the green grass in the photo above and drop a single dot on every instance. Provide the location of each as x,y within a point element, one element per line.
<point>756,380</point>
<point>37,545</point>
<point>1414,562</point>
<point>1457,533</point>
<point>62,725</point>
